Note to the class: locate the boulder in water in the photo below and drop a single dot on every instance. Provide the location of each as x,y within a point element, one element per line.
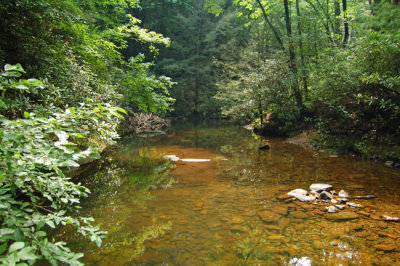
<point>301,195</point>
<point>321,187</point>
<point>326,195</point>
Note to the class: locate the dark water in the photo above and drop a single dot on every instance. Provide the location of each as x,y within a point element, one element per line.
<point>210,213</point>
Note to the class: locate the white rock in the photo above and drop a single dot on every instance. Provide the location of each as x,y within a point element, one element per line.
<point>321,187</point>
<point>340,207</point>
<point>301,195</point>
<point>303,261</point>
<point>331,209</point>
<point>343,194</point>
<point>333,201</point>
<point>354,205</point>
<point>171,157</point>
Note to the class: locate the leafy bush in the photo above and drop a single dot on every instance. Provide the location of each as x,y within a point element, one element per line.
<point>35,195</point>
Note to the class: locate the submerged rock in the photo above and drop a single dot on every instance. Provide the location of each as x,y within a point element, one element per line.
<point>385,247</point>
<point>269,216</point>
<point>301,195</point>
<point>342,216</point>
<point>285,196</point>
<point>321,187</point>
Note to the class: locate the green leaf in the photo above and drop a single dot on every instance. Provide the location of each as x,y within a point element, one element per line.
<point>26,115</point>
<point>6,231</point>
<point>18,235</point>
<point>50,223</point>
<point>16,67</point>
<point>3,247</point>
<point>77,135</point>
<point>16,246</point>
<point>27,253</point>
<point>69,163</point>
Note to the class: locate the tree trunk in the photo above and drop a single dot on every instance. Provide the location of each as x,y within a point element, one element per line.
<point>292,57</point>
<point>337,14</point>
<point>346,23</point>
<point>299,30</point>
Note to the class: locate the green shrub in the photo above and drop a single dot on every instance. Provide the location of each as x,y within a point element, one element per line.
<point>35,195</point>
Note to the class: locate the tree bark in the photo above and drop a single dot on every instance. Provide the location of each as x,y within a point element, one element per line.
<point>337,14</point>
<point>346,23</point>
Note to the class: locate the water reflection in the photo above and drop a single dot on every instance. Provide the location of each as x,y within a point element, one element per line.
<point>226,211</point>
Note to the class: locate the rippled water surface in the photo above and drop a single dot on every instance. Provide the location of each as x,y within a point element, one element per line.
<point>226,211</point>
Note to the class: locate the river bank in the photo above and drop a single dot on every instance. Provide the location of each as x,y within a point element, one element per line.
<point>310,139</point>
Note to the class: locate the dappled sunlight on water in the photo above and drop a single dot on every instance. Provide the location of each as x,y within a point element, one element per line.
<point>226,211</point>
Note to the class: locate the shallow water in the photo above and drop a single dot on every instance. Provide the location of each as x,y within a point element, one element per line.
<point>210,213</point>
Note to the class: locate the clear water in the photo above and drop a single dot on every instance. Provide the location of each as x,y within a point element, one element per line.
<point>209,213</point>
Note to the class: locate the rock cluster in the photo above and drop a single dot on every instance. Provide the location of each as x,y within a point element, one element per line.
<point>337,203</point>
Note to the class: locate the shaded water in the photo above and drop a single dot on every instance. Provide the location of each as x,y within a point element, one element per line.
<point>210,213</point>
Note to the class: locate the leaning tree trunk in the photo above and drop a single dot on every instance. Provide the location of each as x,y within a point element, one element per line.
<point>271,26</point>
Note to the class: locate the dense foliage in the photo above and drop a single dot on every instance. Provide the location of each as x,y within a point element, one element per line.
<point>69,115</point>
<point>331,65</point>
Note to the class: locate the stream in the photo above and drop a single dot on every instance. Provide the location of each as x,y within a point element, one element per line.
<point>228,209</point>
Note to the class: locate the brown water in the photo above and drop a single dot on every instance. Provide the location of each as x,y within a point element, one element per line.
<point>209,213</point>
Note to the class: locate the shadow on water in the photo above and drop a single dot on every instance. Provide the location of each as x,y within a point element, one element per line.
<point>226,211</point>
